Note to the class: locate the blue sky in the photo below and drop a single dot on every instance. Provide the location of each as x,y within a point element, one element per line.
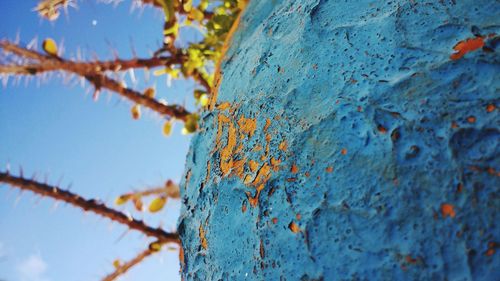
<point>56,129</point>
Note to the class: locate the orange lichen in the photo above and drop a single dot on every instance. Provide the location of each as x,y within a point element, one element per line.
<point>275,220</point>
<point>238,167</point>
<point>490,107</point>
<point>307,174</point>
<point>226,160</point>
<point>254,201</point>
<point>329,169</point>
<point>491,248</point>
<point>224,106</point>
<point>381,129</point>
<point>244,207</point>
<point>203,239</point>
<point>465,46</point>
<point>257,148</point>
<point>283,146</point>
<point>490,252</point>
<point>263,175</point>
<point>294,169</point>
<point>460,187</point>
<point>409,259</point>
<point>447,210</point>
<point>268,123</point>
<point>294,227</point>
<point>253,165</point>
<point>298,217</point>
<point>247,126</point>
<point>454,125</point>
<point>181,257</point>
<point>275,163</point>
<point>471,119</point>
<point>344,151</point>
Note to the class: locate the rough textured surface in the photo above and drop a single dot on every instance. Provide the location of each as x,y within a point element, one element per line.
<point>349,142</point>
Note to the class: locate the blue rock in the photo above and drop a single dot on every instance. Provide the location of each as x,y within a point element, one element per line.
<point>349,142</point>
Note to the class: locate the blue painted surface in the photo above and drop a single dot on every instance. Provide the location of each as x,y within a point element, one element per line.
<point>391,167</point>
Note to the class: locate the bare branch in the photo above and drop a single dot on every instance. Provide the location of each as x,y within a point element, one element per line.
<point>102,81</point>
<point>122,269</point>
<point>93,72</point>
<point>170,189</point>
<point>88,205</point>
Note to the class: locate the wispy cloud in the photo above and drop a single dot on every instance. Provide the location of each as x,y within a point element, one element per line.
<point>32,268</point>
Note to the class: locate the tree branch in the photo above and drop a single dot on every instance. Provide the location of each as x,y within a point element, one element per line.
<point>93,72</point>
<point>88,205</point>
<point>170,189</point>
<point>126,266</point>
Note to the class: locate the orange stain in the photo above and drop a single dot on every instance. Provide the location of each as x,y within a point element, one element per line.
<point>268,123</point>
<point>466,46</point>
<point>283,146</point>
<point>471,119</point>
<point>275,220</point>
<point>247,126</point>
<point>294,227</point>
<point>294,169</point>
<point>447,210</point>
<point>224,106</point>
<point>490,107</point>
<point>253,165</point>
<point>381,129</point>
<point>329,169</point>
<point>343,151</point>
<point>203,239</point>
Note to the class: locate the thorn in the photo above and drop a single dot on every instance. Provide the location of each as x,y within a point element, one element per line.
<point>21,172</point>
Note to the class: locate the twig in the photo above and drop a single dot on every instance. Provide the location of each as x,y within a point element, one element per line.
<point>88,205</point>
<point>126,266</point>
<point>95,75</point>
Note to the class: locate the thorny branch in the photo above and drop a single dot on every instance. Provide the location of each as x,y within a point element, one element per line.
<point>93,72</point>
<point>91,205</point>
<point>122,269</point>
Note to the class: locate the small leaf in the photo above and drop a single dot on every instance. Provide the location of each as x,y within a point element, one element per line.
<point>117,263</point>
<point>155,246</point>
<point>191,124</point>
<point>167,128</point>
<point>120,200</point>
<point>50,46</point>
<point>136,112</point>
<point>204,100</point>
<point>157,204</point>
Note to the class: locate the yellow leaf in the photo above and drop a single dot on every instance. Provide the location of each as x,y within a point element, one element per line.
<point>50,46</point>
<point>204,100</point>
<point>188,5</point>
<point>155,246</point>
<point>136,112</point>
<point>157,204</point>
<point>167,128</point>
<point>120,200</point>
<point>117,263</point>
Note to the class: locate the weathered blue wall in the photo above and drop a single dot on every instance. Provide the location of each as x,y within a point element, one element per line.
<point>348,143</point>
